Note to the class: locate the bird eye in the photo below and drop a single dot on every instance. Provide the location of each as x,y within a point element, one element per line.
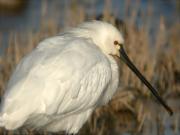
<point>116,42</point>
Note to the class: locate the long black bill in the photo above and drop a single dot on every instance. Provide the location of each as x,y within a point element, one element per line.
<point>126,59</point>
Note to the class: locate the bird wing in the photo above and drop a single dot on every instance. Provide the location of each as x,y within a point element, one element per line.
<point>61,78</point>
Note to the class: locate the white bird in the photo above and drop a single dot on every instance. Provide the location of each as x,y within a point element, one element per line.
<point>57,86</point>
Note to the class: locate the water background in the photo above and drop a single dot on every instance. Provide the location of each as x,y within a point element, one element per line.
<point>31,14</point>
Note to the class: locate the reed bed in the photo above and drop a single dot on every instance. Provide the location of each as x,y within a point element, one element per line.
<point>133,109</point>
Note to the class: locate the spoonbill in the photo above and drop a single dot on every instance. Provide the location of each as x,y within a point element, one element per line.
<point>57,86</point>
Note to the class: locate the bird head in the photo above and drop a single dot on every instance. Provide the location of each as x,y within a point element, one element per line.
<point>111,42</point>
<point>103,34</point>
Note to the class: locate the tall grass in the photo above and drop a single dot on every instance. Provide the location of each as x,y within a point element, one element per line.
<point>133,108</point>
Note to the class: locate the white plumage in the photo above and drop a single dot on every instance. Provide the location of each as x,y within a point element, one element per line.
<point>58,85</point>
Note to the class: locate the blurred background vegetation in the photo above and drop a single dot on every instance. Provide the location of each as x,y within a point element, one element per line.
<point>151,30</point>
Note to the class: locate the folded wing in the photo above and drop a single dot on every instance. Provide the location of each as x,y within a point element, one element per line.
<point>55,79</point>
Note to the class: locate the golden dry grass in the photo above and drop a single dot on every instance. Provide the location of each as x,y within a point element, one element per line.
<point>133,108</point>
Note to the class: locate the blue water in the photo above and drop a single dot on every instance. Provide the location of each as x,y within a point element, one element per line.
<point>31,15</point>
